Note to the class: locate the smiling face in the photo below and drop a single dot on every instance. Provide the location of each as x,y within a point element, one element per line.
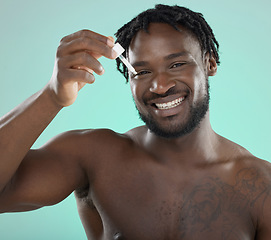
<point>171,88</point>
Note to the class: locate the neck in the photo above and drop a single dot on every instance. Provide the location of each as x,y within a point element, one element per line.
<point>199,145</point>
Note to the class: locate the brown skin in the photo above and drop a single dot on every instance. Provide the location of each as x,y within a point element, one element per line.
<point>136,185</point>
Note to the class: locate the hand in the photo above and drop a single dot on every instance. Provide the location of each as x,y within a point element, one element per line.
<point>76,60</point>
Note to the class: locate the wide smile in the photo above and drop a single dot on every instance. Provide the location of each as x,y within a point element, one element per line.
<point>169,105</point>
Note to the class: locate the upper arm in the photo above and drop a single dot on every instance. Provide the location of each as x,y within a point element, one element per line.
<point>46,176</point>
<point>264,223</point>
<point>264,205</point>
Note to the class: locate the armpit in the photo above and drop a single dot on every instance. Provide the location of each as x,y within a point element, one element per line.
<point>82,194</point>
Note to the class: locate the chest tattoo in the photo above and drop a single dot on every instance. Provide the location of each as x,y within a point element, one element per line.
<point>214,208</point>
<point>214,203</point>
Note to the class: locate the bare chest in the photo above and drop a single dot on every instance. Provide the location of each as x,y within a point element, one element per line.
<point>146,202</point>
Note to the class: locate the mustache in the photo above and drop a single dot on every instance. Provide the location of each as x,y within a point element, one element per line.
<point>171,91</point>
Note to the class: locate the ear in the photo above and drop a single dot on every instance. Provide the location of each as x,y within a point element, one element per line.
<point>211,65</point>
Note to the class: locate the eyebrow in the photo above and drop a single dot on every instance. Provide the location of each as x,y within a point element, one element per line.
<point>175,55</point>
<point>169,57</point>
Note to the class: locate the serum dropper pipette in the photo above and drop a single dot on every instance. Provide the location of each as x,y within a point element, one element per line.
<point>119,50</point>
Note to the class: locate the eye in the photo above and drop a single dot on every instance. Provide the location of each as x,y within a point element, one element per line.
<point>141,73</point>
<point>178,64</point>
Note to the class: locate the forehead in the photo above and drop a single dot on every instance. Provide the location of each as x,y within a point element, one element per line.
<point>161,39</point>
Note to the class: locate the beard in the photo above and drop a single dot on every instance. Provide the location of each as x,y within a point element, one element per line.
<point>196,114</point>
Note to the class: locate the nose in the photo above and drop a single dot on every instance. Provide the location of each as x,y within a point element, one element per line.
<point>161,84</point>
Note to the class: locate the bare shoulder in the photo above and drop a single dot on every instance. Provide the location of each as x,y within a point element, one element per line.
<point>260,175</point>
<point>253,180</point>
<point>94,146</point>
<point>258,168</point>
<point>252,176</point>
<point>84,139</point>
<point>243,159</point>
<point>86,148</point>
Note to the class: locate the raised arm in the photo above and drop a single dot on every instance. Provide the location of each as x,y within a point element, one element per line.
<point>22,168</point>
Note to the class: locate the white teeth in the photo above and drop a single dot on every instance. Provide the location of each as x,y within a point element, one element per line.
<point>169,105</point>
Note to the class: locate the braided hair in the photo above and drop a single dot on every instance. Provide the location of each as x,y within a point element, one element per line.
<point>174,16</point>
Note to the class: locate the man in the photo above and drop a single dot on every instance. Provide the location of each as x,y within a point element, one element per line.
<point>173,178</point>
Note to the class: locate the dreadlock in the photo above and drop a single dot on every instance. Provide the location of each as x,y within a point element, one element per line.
<point>174,16</point>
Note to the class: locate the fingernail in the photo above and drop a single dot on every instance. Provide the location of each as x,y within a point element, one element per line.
<point>101,71</point>
<point>110,41</point>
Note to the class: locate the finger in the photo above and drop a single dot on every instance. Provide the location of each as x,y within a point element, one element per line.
<point>83,68</point>
<point>85,33</point>
<point>82,59</point>
<point>111,41</point>
<point>79,75</point>
<point>92,46</point>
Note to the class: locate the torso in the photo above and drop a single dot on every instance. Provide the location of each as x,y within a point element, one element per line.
<point>132,195</point>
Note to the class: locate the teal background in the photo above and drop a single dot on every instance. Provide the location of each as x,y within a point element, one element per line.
<point>30,34</point>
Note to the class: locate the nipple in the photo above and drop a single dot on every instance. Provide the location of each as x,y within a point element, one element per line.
<point>118,236</point>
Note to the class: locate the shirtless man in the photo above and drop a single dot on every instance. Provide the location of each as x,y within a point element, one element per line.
<point>171,179</point>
